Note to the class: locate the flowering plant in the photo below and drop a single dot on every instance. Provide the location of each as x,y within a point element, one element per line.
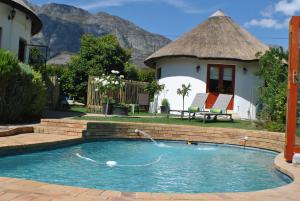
<point>109,83</point>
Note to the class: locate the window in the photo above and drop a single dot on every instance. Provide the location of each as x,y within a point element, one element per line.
<point>158,73</point>
<point>0,37</point>
<point>22,50</point>
<point>221,79</point>
<point>214,79</point>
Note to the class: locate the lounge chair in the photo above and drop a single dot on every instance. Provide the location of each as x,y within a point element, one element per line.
<point>219,108</point>
<point>196,106</point>
<point>143,101</point>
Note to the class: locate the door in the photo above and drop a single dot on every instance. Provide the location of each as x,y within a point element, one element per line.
<point>220,79</point>
<point>22,50</point>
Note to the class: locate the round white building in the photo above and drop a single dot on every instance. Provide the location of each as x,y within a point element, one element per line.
<point>216,57</point>
<point>18,23</point>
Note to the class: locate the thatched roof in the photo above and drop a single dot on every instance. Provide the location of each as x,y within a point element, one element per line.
<point>22,6</point>
<point>216,38</point>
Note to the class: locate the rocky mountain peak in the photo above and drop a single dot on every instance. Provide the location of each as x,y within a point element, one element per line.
<point>63,26</point>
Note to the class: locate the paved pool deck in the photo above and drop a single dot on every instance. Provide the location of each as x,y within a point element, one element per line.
<point>12,189</point>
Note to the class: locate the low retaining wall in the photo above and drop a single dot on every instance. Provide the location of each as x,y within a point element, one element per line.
<point>15,131</point>
<point>62,127</point>
<point>92,129</point>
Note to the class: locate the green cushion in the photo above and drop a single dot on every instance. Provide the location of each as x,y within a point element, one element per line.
<point>193,109</point>
<point>218,111</point>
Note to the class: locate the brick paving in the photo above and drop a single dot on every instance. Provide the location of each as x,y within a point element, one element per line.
<point>25,190</point>
<point>32,139</point>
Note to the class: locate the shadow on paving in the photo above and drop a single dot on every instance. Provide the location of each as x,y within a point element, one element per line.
<point>61,114</point>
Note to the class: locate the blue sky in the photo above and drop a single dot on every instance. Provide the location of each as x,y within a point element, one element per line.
<point>266,19</point>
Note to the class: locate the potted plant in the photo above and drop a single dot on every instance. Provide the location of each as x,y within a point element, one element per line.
<point>121,109</point>
<point>153,89</point>
<point>165,105</point>
<point>108,106</point>
<point>106,84</point>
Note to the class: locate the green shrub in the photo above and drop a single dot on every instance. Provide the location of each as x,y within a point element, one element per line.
<point>21,89</point>
<point>165,103</point>
<point>11,99</point>
<point>146,75</point>
<point>273,70</point>
<point>270,126</point>
<point>37,95</point>
<point>154,88</point>
<point>55,70</point>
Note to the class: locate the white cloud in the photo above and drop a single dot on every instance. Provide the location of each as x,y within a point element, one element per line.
<point>268,11</point>
<point>288,7</point>
<point>268,23</point>
<point>269,18</point>
<point>108,3</point>
<point>179,4</point>
<point>184,6</point>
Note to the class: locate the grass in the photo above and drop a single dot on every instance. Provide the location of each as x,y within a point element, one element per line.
<point>145,117</point>
<point>248,125</point>
<point>83,109</point>
<point>76,108</point>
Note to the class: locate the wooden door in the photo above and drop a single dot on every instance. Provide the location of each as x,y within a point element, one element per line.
<point>220,79</point>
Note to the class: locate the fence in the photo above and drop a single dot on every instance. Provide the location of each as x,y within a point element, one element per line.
<point>53,91</point>
<point>127,95</point>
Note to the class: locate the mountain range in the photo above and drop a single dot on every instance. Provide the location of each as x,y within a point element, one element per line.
<point>63,26</point>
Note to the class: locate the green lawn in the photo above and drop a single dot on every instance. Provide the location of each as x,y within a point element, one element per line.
<point>83,109</point>
<point>163,120</point>
<point>75,108</point>
<point>145,117</point>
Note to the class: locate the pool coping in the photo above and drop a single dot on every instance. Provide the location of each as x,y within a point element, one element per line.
<point>21,189</point>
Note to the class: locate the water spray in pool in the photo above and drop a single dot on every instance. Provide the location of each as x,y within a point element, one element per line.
<point>150,137</point>
<point>115,163</point>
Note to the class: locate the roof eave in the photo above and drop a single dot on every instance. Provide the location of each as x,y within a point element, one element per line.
<point>151,62</point>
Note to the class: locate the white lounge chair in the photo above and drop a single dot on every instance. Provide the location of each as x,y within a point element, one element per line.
<point>197,105</point>
<point>219,108</point>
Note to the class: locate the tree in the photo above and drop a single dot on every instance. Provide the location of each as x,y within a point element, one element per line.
<point>132,72</point>
<point>153,88</point>
<point>184,91</point>
<point>97,56</point>
<point>273,70</point>
<point>108,83</point>
<point>37,60</point>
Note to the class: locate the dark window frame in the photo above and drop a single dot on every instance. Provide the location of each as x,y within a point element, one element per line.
<point>158,73</point>
<point>1,34</point>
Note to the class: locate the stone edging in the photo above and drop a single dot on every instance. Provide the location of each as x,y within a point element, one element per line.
<point>95,129</point>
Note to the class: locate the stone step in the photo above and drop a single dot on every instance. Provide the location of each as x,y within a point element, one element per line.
<point>58,130</point>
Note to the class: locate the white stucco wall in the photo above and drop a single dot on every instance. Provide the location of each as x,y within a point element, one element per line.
<point>13,30</point>
<point>178,71</point>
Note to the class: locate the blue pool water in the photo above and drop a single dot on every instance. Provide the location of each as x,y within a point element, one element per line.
<point>141,166</point>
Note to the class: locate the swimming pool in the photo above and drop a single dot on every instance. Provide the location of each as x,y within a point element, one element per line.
<point>142,166</point>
